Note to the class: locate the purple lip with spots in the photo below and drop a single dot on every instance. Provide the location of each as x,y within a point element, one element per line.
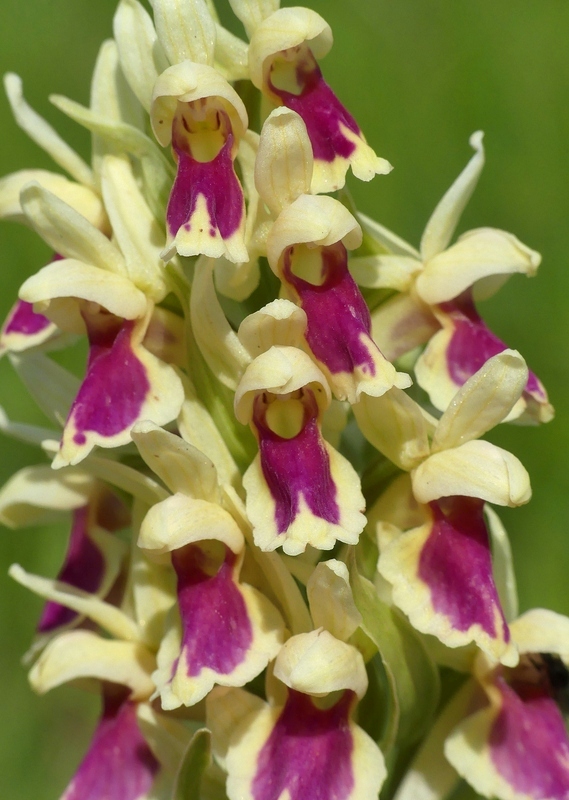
<point>119,765</point>
<point>472,344</point>
<point>339,323</point>
<point>84,568</point>
<point>456,564</point>
<point>320,109</point>
<point>529,744</point>
<point>116,385</point>
<point>215,180</point>
<point>297,467</point>
<point>217,631</point>
<point>309,752</point>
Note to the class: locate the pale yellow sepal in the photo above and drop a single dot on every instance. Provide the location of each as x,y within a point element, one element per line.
<point>283,169</point>
<point>128,479</point>
<point>385,240</point>
<point>253,12</point>
<point>278,323</point>
<point>317,663</point>
<point>35,495</point>
<point>395,425</point>
<point>56,288</point>
<point>483,401</point>
<point>541,630</point>
<point>52,386</point>
<point>135,228</point>
<point>79,197</point>
<point>166,737</point>
<point>280,370</point>
<point>230,58</point>
<point>444,219</point>
<point>82,654</point>
<point>141,56</point>
<point>182,467</point>
<point>331,601</point>
<point>186,30</point>
<point>30,434</point>
<point>284,29</point>
<point>474,469</point>
<point>478,254</point>
<point>152,588</point>
<point>226,708</point>
<point>218,342</point>
<point>109,617</point>
<point>502,564</point>
<point>187,82</point>
<point>312,220</point>
<point>385,271</point>
<point>182,520</point>
<point>67,231</point>
<point>401,324</point>
<point>44,135</point>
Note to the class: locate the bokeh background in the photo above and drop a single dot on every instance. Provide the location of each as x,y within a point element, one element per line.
<point>419,77</point>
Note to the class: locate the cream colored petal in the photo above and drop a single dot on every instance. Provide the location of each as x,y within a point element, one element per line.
<point>34,493</point>
<point>181,520</point>
<point>317,663</point>
<point>135,228</point>
<point>444,219</point>
<point>83,654</point>
<point>318,220</point>
<point>218,342</point>
<point>231,55</point>
<point>385,271</point>
<point>284,29</point>
<point>475,469</point>
<point>478,254</point>
<point>401,324</point>
<point>51,385</point>
<point>283,169</point>
<point>186,30</point>
<point>226,708</point>
<point>44,135</point>
<point>107,616</point>
<point>385,239</point>
<point>180,466</point>
<point>67,231</point>
<point>331,601</point>
<point>542,631</point>
<point>79,197</point>
<point>75,279</point>
<point>394,424</point>
<point>278,323</point>
<point>502,564</point>
<point>141,56</point>
<point>483,401</point>
<point>280,370</point>
<point>126,478</point>
<point>253,12</point>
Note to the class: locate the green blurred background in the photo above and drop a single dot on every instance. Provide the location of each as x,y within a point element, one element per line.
<point>419,76</point>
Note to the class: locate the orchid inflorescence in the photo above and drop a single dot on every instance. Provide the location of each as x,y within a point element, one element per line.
<point>283,551</point>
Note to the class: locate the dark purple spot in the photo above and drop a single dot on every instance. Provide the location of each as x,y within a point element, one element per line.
<point>24,320</point>
<point>116,385</point>
<point>472,344</point>
<point>215,180</point>
<point>216,627</point>
<point>309,752</point>
<point>119,765</point>
<point>297,467</point>
<point>322,112</point>
<point>529,745</point>
<point>456,564</point>
<point>338,317</point>
<point>83,567</point>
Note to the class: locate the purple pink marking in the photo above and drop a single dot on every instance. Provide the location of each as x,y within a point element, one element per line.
<point>23,320</point>
<point>472,344</point>
<point>215,180</point>
<point>456,565</point>
<point>338,319</point>
<point>296,467</point>
<point>84,568</point>
<point>115,386</point>
<point>217,632</point>
<point>320,109</point>
<point>528,742</point>
<point>119,765</point>
<point>309,752</point>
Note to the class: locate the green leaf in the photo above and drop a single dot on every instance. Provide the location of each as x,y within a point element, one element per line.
<point>194,764</point>
<point>410,684</point>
